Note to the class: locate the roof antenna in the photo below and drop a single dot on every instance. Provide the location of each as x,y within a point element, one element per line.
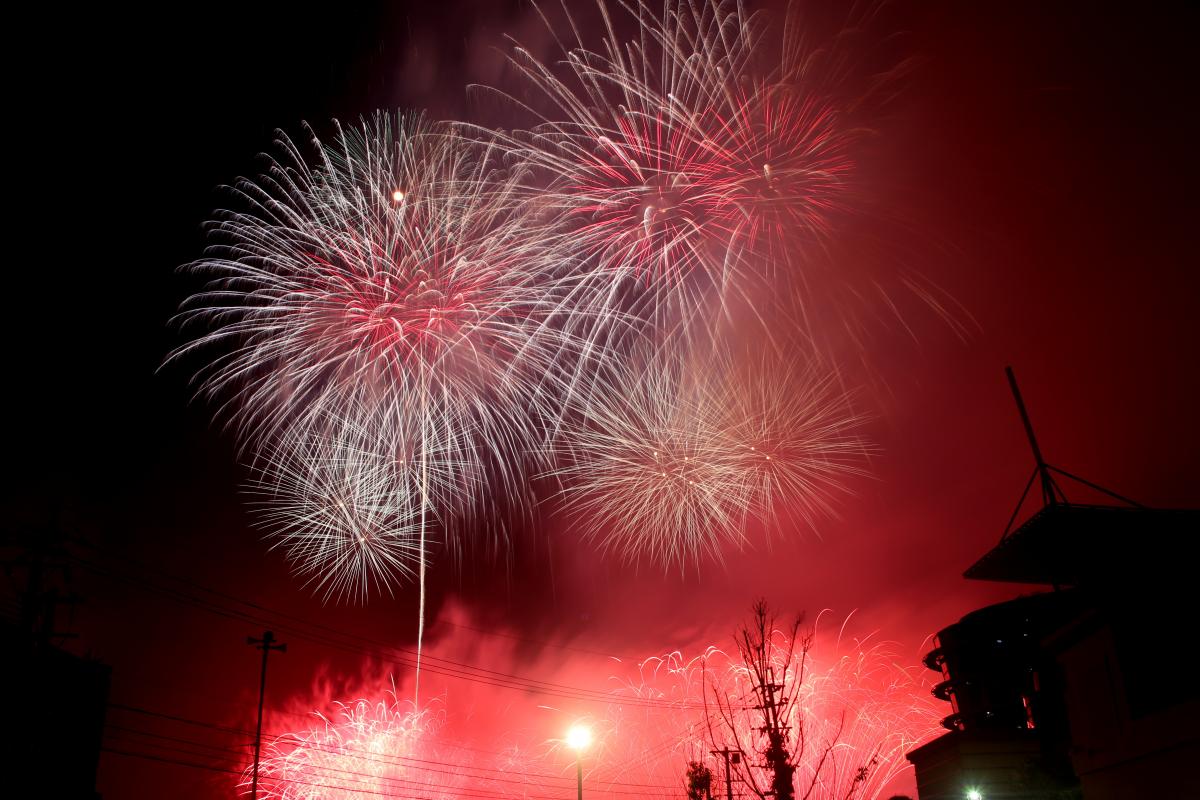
<point>1052,493</point>
<point>1050,490</point>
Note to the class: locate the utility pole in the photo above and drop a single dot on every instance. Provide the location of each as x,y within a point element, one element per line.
<point>777,756</point>
<point>266,644</point>
<point>731,757</point>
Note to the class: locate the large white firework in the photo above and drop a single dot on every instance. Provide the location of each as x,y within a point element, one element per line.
<point>390,276</point>
<point>394,271</point>
<point>394,278</point>
<point>691,450</point>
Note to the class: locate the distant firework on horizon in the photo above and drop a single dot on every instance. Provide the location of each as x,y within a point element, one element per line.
<point>858,703</point>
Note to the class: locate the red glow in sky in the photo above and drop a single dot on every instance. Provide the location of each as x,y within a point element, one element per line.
<point>1036,166</point>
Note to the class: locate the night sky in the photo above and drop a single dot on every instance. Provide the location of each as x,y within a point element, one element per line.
<point>1040,159</point>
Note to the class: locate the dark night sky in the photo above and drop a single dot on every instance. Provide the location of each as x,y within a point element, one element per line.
<point>1044,158</point>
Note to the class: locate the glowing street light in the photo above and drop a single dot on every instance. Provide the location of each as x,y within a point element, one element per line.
<point>578,739</point>
<point>974,794</point>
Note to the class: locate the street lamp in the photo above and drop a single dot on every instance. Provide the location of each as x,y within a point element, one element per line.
<point>578,739</point>
<point>974,794</point>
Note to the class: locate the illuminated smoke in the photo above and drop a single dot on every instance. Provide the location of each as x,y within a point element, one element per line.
<point>661,714</point>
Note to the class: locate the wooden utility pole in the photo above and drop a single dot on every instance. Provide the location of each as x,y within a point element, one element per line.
<point>730,757</point>
<point>266,644</point>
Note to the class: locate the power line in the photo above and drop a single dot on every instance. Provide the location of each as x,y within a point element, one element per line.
<point>541,643</point>
<point>266,644</point>
<point>329,637</point>
<point>412,762</point>
<point>355,776</point>
<point>341,640</point>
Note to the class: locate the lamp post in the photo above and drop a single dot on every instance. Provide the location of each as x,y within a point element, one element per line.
<point>578,739</point>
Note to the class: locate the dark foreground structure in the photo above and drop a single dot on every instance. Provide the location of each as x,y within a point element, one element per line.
<point>58,705</point>
<point>1089,690</point>
<point>56,701</point>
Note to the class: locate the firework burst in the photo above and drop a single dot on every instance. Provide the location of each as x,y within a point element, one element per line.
<point>370,748</point>
<point>676,464</point>
<point>682,160</point>
<point>394,273</point>
<point>393,281</point>
<point>342,498</point>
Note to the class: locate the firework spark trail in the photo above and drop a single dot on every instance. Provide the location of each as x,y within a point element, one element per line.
<point>680,159</point>
<point>692,449</point>
<point>393,279</point>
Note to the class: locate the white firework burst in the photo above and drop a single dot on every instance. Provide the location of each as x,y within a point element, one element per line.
<point>343,497</point>
<point>675,464</point>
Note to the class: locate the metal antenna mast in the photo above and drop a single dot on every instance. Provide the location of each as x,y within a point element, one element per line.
<point>1050,490</point>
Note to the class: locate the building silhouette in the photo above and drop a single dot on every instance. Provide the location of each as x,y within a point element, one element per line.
<point>56,700</point>
<point>1088,687</point>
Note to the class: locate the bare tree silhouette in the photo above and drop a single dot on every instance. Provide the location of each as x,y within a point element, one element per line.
<point>764,720</point>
